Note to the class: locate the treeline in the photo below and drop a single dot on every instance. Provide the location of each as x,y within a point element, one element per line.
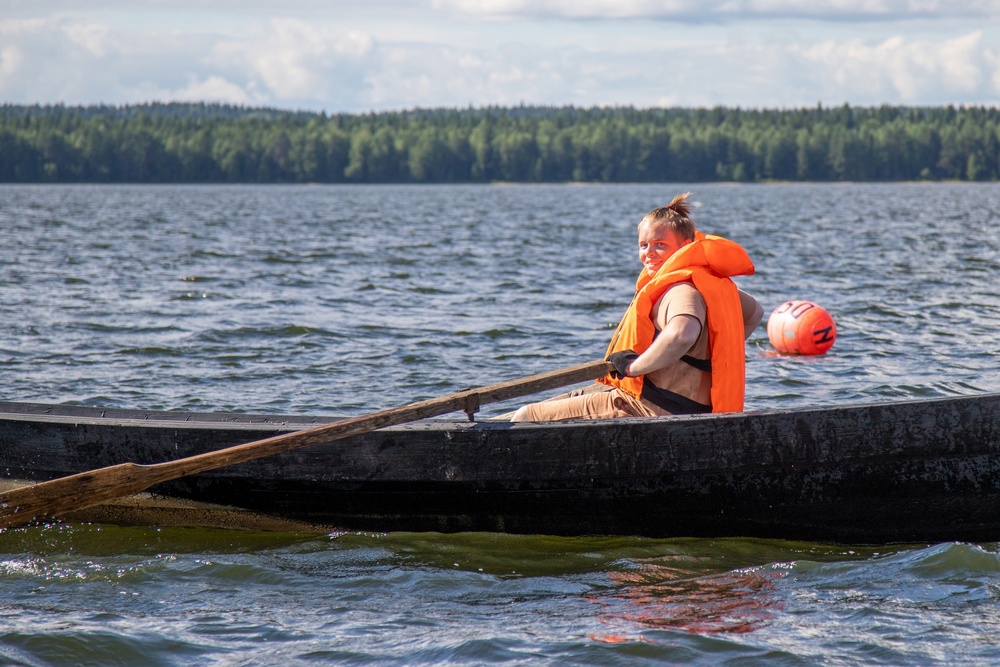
<point>185,143</point>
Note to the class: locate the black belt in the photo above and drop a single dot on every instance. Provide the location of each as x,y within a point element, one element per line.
<point>672,402</point>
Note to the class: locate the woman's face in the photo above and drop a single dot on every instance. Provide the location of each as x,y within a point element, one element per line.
<point>657,244</point>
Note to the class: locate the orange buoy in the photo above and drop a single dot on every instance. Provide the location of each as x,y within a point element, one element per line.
<point>801,327</point>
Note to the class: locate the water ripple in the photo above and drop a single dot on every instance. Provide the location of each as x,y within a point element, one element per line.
<point>325,300</point>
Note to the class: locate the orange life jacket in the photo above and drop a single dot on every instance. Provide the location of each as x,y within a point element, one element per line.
<point>708,262</point>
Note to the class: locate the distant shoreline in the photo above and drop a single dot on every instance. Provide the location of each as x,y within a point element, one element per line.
<point>206,143</point>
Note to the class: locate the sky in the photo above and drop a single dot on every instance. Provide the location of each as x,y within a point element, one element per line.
<point>359,56</point>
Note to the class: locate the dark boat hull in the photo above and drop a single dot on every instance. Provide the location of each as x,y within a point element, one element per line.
<point>913,471</point>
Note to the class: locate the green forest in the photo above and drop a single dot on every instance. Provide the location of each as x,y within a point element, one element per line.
<point>204,143</point>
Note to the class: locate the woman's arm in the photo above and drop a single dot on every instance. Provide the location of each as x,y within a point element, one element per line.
<point>753,313</point>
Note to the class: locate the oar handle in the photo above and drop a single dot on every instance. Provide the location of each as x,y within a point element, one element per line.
<point>50,499</point>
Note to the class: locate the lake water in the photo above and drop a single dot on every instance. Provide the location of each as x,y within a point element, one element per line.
<point>345,300</point>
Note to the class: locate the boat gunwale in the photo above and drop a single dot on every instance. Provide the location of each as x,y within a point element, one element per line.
<point>250,421</point>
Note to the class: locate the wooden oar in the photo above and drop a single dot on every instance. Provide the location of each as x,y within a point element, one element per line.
<point>56,497</point>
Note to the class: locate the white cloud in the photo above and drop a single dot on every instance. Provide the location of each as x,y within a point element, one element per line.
<point>10,61</point>
<point>992,59</point>
<point>398,61</point>
<point>85,62</point>
<point>708,10</point>
<point>508,74</point>
<point>91,37</point>
<point>861,8</point>
<point>212,89</point>
<point>915,71</point>
<point>295,60</point>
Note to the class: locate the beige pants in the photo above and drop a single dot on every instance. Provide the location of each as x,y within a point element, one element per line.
<point>606,403</point>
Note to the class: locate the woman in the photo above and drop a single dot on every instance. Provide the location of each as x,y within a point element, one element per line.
<point>679,349</point>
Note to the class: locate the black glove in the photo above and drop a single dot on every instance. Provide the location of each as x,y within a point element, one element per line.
<point>622,360</point>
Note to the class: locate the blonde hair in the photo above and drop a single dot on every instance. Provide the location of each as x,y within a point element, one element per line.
<point>675,216</point>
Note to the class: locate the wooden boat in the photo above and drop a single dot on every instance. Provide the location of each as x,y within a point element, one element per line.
<point>904,471</point>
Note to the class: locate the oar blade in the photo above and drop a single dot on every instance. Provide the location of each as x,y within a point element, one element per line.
<point>45,500</point>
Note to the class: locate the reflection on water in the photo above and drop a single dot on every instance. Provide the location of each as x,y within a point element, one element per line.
<point>667,593</point>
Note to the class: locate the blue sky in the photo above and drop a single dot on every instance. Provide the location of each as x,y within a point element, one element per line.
<point>375,55</point>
